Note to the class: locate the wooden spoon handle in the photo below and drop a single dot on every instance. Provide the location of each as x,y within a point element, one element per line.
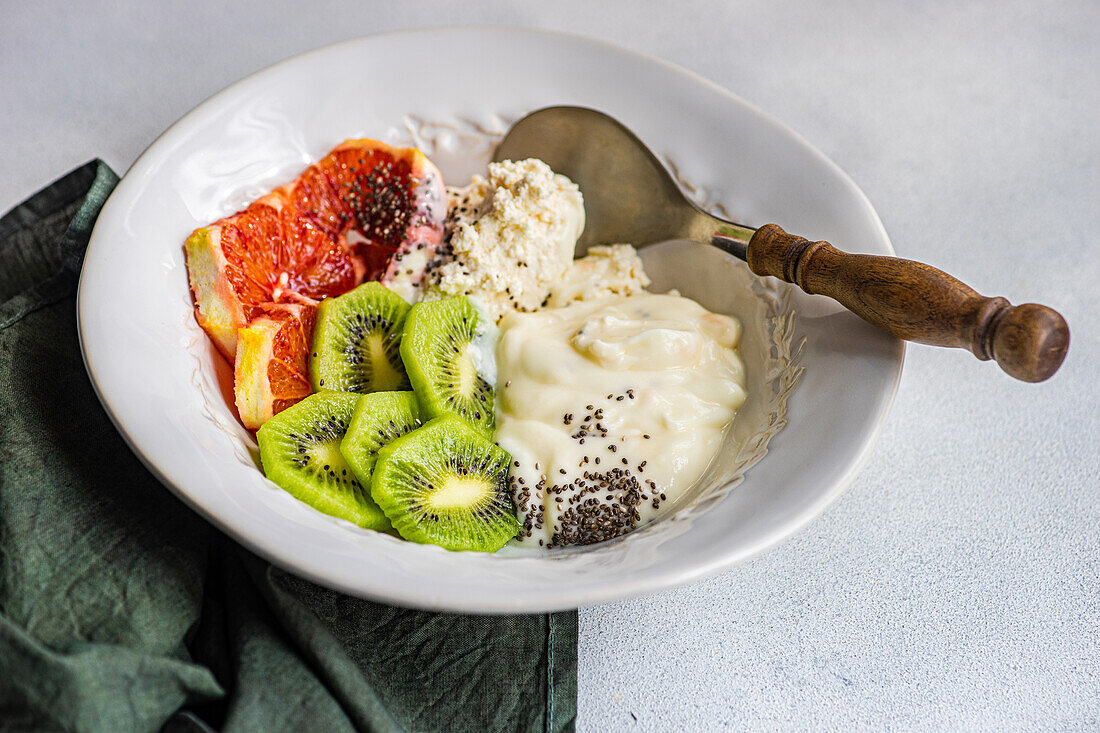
<point>916,302</point>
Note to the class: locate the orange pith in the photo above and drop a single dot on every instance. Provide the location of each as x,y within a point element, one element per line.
<point>272,367</point>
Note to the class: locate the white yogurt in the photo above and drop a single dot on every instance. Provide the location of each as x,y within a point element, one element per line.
<point>612,409</point>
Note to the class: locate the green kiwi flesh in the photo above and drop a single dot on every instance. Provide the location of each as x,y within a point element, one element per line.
<point>437,350</point>
<point>379,418</point>
<point>300,451</point>
<point>446,484</point>
<point>357,341</point>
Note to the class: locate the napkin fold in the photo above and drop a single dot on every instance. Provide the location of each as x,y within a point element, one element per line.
<point>121,609</point>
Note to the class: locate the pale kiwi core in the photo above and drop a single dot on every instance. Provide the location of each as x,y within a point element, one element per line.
<point>458,492</point>
<point>386,378</point>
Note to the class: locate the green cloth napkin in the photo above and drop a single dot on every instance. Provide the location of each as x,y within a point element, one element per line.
<point>121,609</point>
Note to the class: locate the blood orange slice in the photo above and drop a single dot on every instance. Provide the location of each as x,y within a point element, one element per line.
<point>272,366</point>
<point>341,221</point>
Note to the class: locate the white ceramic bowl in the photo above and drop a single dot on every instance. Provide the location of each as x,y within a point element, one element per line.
<point>160,378</point>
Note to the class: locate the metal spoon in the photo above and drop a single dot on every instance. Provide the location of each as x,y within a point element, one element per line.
<point>629,196</point>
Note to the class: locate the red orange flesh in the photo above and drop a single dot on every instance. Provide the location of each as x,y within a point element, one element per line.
<point>338,223</point>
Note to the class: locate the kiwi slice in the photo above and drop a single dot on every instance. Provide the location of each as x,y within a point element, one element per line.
<point>445,484</point>
<point>300,451</point>
<point>379,418</point>
<point>357,341</point>
<point>442,349</point>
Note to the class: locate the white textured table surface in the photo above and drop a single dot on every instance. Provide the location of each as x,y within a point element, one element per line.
<point>956,585</point>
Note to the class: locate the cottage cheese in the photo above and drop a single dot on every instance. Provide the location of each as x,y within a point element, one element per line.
<point>512,237</point>
<point>606,270</point>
